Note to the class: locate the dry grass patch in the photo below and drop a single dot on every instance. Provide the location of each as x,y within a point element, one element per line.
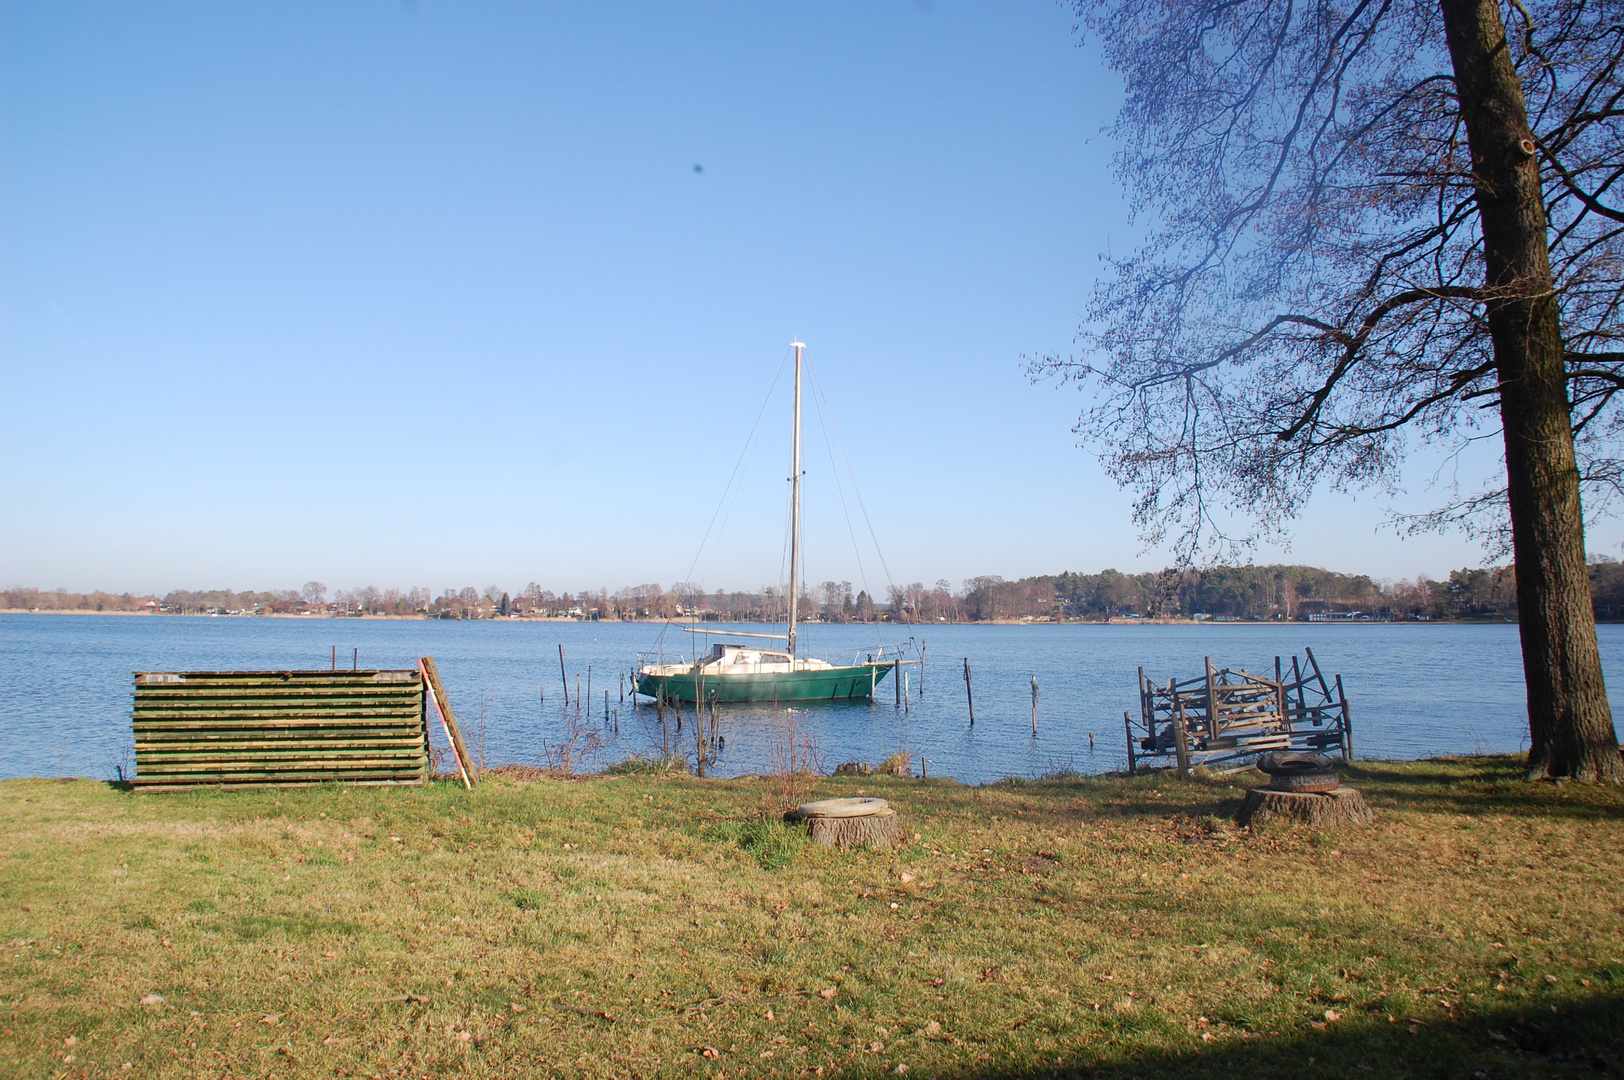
<point>653,924</point>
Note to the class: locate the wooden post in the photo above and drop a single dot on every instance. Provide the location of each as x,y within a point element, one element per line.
<point>449,720</point>
<point>896,677</point>
<point>907,696</point>
<point>968,697</point>
<point>1212,702</point>
<point>577,691</point>
<point>606,706</point>
<point>1127,725</point>
<point>1144,700</point>
<point>699,740</point>
<point>622,686</point>
<point>1284,698</point>
<point>1181,740</point>
<point>563,675</point>
<point>335,657</point>
<point>1034,706</point>
<point>355,660</point>
<point>1318,674</point>
<point>923,645</point>
<point>715,723</point>
<point>1347,722</point>
<point>588,683</point>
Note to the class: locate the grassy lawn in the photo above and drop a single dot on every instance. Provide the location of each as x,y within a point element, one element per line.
<point>641,925</point>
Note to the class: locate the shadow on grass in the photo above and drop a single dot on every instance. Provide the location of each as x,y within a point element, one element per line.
<point>1486,785</point>
<point>1464,786</point>
<point>1580,1037</point>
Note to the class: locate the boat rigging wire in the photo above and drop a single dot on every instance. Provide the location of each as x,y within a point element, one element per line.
<point>817,390</point>
<point>825,422</point>
<point>734,485</point>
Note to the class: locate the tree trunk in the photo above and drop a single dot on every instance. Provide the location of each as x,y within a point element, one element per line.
<point>1570,723</point>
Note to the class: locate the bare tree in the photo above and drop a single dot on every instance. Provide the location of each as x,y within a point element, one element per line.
<point>1371,224</point>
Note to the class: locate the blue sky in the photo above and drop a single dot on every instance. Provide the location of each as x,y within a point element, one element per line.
<point>444,294</point>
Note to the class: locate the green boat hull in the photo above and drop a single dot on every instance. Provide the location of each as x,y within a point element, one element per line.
<point>856,682</point>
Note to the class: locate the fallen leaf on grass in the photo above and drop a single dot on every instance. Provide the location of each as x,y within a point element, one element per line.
<point>270,1018</point>
<point>1332,1016</point>
<point>152,999</point>
<point>710,1052</point>
<point>515,1006</point>
<point>331,1040</point>
<point>598,1013</point>
<point>827,994</point>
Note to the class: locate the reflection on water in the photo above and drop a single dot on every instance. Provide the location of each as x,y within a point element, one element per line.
<point>1413,690</point>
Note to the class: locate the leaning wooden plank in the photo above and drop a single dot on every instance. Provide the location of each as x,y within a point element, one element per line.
<point>447,717</point>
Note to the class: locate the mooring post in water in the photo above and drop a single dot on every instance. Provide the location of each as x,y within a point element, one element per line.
<point>622,686</point>
<point>715,723</point>
<point>896,676</point>
<point>588,683</point>
<point>906,696</point>
<point>335,657</point>
<point>969,699</point>
<point>355,660</point>
<point>606,706</point>
<point>563,675</point>
<point>578,693</point>
<point>923,645</point>
<point>1034,706</point>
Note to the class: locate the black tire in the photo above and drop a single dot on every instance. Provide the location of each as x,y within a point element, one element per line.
<point>1289,763</point>
<point>1305,782</point>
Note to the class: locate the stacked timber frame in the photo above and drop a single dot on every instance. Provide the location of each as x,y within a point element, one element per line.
<point>250,728</point>
<point>1231,714</point>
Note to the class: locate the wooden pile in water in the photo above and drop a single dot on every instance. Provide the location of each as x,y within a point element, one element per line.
<point>1228,714</point>
<point>235,728</point>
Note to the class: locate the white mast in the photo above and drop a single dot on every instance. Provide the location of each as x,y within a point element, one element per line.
<point>795,505</point>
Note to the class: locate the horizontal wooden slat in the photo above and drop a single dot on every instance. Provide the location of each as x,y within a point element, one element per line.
<point>268,708</point>
<point>307,748</point>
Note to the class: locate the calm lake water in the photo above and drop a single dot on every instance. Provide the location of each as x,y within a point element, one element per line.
<point>1415,690</point>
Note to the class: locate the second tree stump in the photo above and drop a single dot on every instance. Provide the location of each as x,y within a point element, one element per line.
<point>1321,809</point>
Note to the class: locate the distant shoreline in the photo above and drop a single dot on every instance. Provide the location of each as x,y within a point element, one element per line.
<point>721,627</point>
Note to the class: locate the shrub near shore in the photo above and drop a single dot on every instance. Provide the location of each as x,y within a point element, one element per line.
<point>657,925</point>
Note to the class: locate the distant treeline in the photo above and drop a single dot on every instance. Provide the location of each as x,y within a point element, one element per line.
<point>1225,593</point>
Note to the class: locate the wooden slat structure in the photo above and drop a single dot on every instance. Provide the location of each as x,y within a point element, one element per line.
<point>249,728</point>
<point>1229,714</point>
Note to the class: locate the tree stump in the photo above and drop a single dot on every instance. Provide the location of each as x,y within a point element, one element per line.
<point>1321,809</point>
<point>881,831</point>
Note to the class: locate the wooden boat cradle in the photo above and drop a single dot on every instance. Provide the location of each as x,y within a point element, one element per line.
<point>1230,714</point>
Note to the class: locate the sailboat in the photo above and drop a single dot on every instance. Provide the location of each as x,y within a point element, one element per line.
<point>748,672</point>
